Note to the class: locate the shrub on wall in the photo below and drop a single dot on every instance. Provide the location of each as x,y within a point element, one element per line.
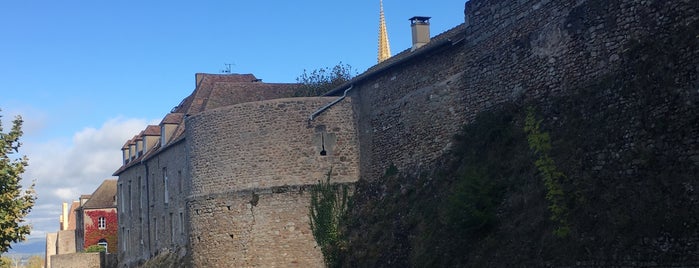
<point>328,207</point>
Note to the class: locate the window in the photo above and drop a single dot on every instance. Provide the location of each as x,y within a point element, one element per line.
<point>103,243</point>
<point>162,136</point>
<point>140,220</point>
<point>130,198</point>
<point>172,229</point>
<point>122,208</point>
<point>155,229</point>
<point>166,197</point>
<point>179,179</point>
<point>101,223</point>
<point>123,233</point>
<point>140,194</point>
<point>181,223</point>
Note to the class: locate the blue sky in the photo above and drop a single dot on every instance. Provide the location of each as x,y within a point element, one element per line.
<point>88,75</point>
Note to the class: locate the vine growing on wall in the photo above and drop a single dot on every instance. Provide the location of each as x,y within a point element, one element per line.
<point>93,233</point>
<point>540,142</point>
<point>328,206</point>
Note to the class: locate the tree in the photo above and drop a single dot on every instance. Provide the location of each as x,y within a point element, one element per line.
<point>6,262</point>
<point>35,262</point>
<point>14,204</point>
<point>320,81</point>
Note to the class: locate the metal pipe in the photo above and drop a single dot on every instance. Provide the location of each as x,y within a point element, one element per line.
<point>322,109</point>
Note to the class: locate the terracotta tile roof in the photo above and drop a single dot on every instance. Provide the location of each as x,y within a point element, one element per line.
<point>213,91</point>
<point>132,141</point>
<point>151,130</point>
<point>103,197</point>
<point>226,93</point>
<point>126,145</point>
<point>173,118</point>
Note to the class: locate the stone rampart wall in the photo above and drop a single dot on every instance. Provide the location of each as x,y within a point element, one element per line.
<point>72,260</point>
<point>512,50</point>
<point>251,166</point>
<point>270,143</point>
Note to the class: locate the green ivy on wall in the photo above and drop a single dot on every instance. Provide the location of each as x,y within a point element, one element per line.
<point>540,143</point>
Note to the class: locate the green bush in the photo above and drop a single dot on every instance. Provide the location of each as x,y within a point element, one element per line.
<point>95,248</point>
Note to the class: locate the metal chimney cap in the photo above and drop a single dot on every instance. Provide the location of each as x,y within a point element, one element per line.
<point>419,19</point>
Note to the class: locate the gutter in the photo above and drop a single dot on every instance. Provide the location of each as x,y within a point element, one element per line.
<point>429,48</point>
<point>322,109</point>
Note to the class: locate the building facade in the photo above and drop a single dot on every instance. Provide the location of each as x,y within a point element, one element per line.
<point>90,221</point>
<point>266,153</point>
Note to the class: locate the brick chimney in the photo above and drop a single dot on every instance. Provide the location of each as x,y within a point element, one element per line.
<point>420,27</point>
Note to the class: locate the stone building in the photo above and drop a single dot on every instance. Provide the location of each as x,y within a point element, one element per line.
<point>96,218</point>
<point>253,203</point>
<point>222,180</point>
<point>90,221</point>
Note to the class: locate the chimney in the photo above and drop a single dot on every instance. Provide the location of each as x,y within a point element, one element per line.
<point>421,31</point>
<point>197,79</point>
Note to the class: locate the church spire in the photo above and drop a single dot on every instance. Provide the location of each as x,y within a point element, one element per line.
<point>384,47</point>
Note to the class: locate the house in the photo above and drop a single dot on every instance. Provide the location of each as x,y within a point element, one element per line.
<point>90,221</point>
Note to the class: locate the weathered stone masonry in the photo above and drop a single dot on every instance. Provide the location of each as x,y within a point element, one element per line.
<point>410,107</point>
<point>251,165</point>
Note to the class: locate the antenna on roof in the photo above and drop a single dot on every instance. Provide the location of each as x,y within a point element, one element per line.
<point>227,70</point>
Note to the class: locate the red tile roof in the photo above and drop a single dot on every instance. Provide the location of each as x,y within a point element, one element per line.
<point>152,130</point>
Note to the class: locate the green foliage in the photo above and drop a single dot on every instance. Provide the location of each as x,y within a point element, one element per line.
<point>473,202</point>
<point>95,248</point>
<point>320,81</point>
<point>14,204</point>
<point>540,143</point>
<point>328,207</point>
<point>35,262</point>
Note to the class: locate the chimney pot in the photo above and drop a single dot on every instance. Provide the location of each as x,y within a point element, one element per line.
<point>420,26</point>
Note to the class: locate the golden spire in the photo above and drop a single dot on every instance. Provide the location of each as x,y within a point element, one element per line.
<point>384,47</point>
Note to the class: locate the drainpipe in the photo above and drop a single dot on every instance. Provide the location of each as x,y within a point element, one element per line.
<point>321,110</point>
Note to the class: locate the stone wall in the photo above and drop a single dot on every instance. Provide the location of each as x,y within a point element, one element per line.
<point>251,165</point>
<point>51,239</point>
<point>531,49</point>
<point>151,223</point>
<point>543,52</point>
<point>262,228</point>
<point>65,242</point>
<point>270,143</point>
<point>85,260</point>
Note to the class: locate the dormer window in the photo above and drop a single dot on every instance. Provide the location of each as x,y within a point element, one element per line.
<point>162,136</point>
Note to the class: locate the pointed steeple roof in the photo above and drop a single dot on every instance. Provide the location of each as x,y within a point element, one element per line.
<point>384,47</point>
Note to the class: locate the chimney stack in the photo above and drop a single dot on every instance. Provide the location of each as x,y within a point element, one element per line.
<point>421,31</point>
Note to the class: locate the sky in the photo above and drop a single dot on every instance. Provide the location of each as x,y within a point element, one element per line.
<point>88,75</point>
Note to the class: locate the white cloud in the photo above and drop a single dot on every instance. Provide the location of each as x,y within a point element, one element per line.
<point>66,168</point>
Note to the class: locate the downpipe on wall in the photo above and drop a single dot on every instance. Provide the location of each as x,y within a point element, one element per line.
<point>322,109</point>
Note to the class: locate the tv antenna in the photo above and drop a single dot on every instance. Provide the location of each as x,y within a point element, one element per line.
<point>227,70</point>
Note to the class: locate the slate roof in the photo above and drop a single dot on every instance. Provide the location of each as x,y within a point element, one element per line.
<point>103,197</point>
